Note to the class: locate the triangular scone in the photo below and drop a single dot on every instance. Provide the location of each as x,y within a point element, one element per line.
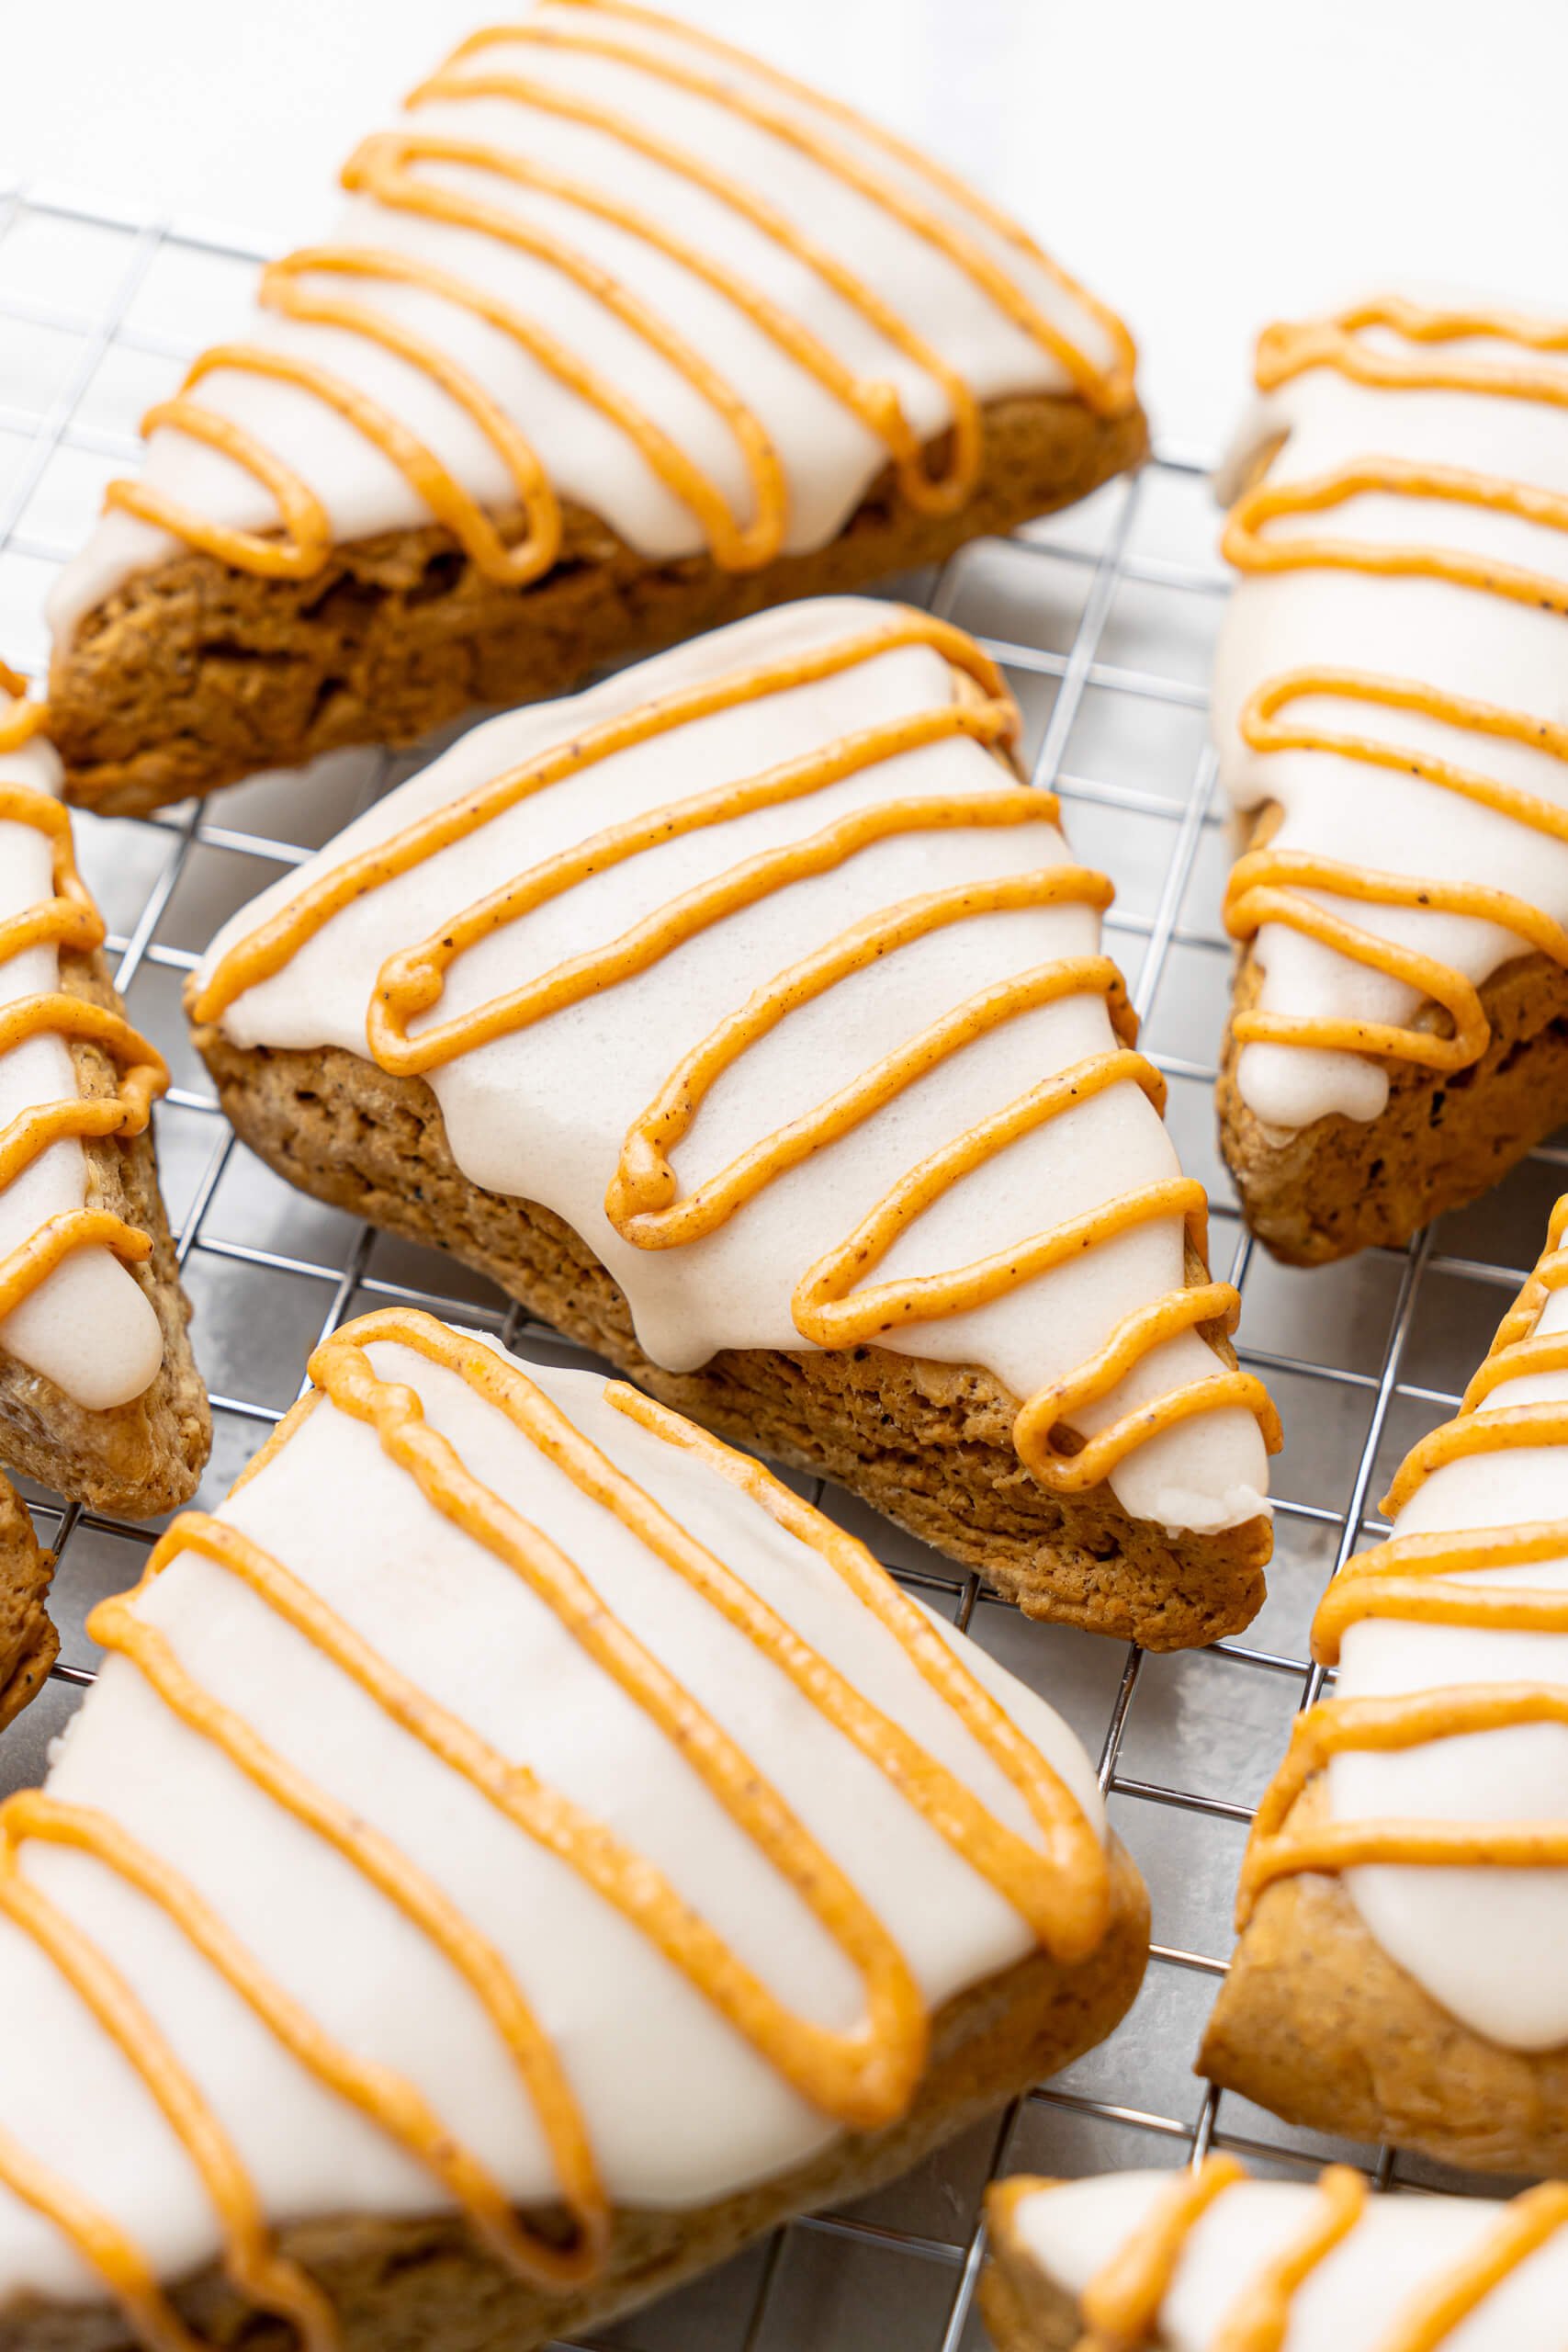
<point>1404,1906</point>
<point>515,1852</point>
<point>1211,2261</point>
<point>1388,712</point>
<point>784,889</point>
<point>99,1395</point>
<point>622,335</point>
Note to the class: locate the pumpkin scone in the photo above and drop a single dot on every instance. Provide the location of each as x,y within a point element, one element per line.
<point>1389,716</point>
<point>516,1852</point>
<point>746,1018</point>
<point>1211,2261</point>
<point>1404,1906</point>
<point>622,335</point>
<point>99,1398</point>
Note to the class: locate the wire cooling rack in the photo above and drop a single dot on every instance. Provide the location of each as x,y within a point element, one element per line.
<point>1104,620</point>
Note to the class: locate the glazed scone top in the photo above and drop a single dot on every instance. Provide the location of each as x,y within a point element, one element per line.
<point>511,1798</point>
<point>947,1147</point>
<point>1376,2287</point>
<point>604,259</point>
<point>69,1309</point>
<point>1442,1758</point>
<point>1389,675</point>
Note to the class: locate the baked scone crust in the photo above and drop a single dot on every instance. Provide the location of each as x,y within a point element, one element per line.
<point>195,673</point>
<point>1345,1184</point>
<point>130,1459</point>
<point>930,1444</point>
<point>28,1643</point>
<point>425,2286</point>
<point>1318,2023</point>
<point>137,1459</point>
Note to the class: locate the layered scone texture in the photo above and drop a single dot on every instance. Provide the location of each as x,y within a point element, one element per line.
<point>1388,715</point>
<point>515,1851</point>
<point>1404,1896</point>
<point>1209,2261</point>
<point>619,334</point>
<point>748,1018</point>
<point>99,1395</point>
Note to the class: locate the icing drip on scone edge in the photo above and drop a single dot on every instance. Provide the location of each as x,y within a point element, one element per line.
<point>1213,2262</point>
<point>1389,675</point>
<point>778,889</point>
<point>1442,1758</point>
<point>67,1308</point>
<point>506,1766</point>
<point>467,343</point>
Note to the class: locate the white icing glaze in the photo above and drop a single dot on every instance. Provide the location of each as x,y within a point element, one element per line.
<point>1487,1943</point>
<point>1399,2247</point>
<point>1464,641</point>
<point>679,2107</point>
<point>541,1113</point>
<point>829,458</point>
<point>88,1327</point>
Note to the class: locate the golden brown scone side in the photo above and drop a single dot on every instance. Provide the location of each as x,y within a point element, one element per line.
<point>1018,2321</point>
<point>425,2286</point>
<point>1316,2022</point>
<point>930,1444</point>
<point>1443,1138</point>
<point>28,1643</point>
<point>1026,2315</point>
<point>195,673</point>
<point>1023,2310</point>
<point>141,1458</point>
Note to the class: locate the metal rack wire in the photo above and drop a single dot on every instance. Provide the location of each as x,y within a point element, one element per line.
<point>1103,619</point>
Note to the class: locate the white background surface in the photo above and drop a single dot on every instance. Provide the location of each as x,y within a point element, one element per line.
<point>1201,162</point>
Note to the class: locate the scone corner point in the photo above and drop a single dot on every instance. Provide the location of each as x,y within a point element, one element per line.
<point>467,454</point>
<point>1100,1458</point>
<point>1371,1994</point>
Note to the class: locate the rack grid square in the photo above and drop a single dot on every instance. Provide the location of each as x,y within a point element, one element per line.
<point>1103,619</point>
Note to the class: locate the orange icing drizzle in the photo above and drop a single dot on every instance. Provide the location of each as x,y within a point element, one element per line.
<point>1287,349</point>
<point>410,982</point>
<point>255,2269</point>
<point>266,951</point>
<point>1260,2318</point>
<point>1410,1578</point>
<point>383,169</point>
<point>1272,885</point>
<point>642,1200</point>
<point>24,719</point>
<point>68,919</point>
<point>1122,2306</point>
<point>862,2078</point>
